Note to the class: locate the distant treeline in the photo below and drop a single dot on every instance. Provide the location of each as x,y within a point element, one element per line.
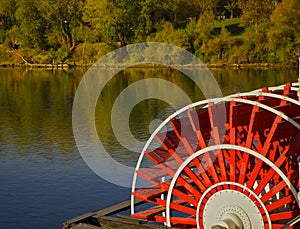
<point>217,31</point>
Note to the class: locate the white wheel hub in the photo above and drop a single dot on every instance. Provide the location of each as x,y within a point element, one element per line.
<point>231,209</point>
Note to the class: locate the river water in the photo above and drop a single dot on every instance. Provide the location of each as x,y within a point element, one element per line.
<point>43,178</point>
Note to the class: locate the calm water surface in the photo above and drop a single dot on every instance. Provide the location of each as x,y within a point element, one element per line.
<point>43,179</point>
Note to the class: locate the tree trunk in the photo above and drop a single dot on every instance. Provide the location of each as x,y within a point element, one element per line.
<point>68,35</point>
<point>122,40</point>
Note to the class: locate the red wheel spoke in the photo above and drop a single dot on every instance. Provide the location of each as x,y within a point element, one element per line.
<point>196,180</point>
<point>230,158</point>
<point>237,167</point>
<point>185,197</point>
<point>232,133</point>
<point>183,221</point>
<point>280,226</point>
<point>248,145</point>
<point>180,195</point>
<point>243,168</point>
<point>182,181</point>
<point>209,166</point>
<point>197,162</point>
<point>189,187</point>
<point>221,163</point>
<point>284,215</point>
<point>177,220</point>
<point>274,190</point>
<point>194,120</point>
<point>279,203</point>
<point>271,172</point>
<point>178,207</point>
<point>215,133</point>
<point>272,153</point>
<point>264,152</point>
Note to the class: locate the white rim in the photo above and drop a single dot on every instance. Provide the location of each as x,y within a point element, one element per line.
<point>199,103</point>
<point>259,93</point>
<point>219,147</point>
<point>235,184</point>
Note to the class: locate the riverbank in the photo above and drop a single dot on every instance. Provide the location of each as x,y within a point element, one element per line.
<point>20,59</point>
<point>150,65</point>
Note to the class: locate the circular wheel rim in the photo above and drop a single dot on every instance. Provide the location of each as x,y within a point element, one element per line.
<point>238,98</point>
<point>219,147</point>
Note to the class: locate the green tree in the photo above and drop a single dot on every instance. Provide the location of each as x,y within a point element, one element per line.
<point>231,5</point>
<point>287,13</point>
<point>7,13</point>
<point>255,43</point>
<point>96,14</point>
<point>31,24</point>
<point>179,10</point>
<point>169,35</point>
<point>206,5</point>
<point>153,12</point>
<point>147,19</point>
<point>65,21</point>
<point>200,31</point>
<point>281,44</point>
<point>123,21</point>
<point>217,49</point>
<point>255,12</point>
<point>284,38</point>
<point>7,20</point>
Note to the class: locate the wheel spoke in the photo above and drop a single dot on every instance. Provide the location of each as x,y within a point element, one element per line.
<point>284,215</point>
<point>243,169</point>
<point>271,172</point>
<point>204,168</point>
<point>276,189</point>
<point>279,203</point>
<point>215,133</point>
<point>183,221</point>
<point>179,207</point>
<point>207,159</point>
<point>264,152</point>
<point>232,133</point>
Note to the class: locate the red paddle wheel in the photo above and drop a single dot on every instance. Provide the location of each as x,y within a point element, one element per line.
<point>224,163</point>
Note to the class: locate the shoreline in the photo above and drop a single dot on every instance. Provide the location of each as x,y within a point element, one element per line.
<point>66,66</point>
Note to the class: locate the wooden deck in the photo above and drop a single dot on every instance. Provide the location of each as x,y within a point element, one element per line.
<point>103,219</point>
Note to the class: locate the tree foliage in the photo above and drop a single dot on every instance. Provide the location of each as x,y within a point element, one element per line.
<point>231,5</point>
<point>81,30</point>
<point>65,17</point>
<point>287,13</point>
<point>199,31</point>
<point>255,12</point>
<point>95,15</point>
<point>217,48</point>
<point>31,24</point>
<point>206,5</point>
<point>123,21</point>
<point>7,13</point>
<point>168,34</point>
<point>7,21</point>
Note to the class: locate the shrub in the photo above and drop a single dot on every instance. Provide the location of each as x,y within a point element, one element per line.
<point>89,53</point>
<point>62,53</point>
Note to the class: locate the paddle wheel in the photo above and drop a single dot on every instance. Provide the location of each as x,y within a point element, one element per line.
<point>224,163</point>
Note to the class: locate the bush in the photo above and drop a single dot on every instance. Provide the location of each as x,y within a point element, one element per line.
<point>89,53</point>
<point>62,53</point>
<point>44,57</point>
<point>168,34</point>
<point>218,48</point>
<point>281,43</point>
